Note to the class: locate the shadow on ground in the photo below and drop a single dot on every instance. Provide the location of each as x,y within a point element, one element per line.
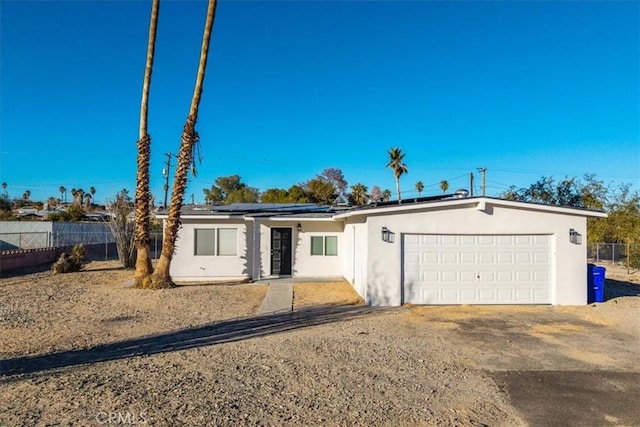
<point>210,334</point>
<point>616,288</point>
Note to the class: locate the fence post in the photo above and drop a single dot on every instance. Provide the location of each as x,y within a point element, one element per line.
<point>613,253</point>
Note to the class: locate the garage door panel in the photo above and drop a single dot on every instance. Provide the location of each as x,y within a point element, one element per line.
<point>485,269</point>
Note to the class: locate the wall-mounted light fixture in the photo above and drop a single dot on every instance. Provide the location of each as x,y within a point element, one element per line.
<point>387,235</point>
<point>575,237</point>
<point>299,227</point>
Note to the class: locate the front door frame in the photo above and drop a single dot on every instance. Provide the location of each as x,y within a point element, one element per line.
<point>286,253</point>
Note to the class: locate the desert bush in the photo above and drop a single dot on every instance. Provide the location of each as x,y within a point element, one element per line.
<point>122,227</point>
<point>68,263</point>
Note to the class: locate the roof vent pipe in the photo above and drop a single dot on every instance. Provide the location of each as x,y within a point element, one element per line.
<point>461,193</point>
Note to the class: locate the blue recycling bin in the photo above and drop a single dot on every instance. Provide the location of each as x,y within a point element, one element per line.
<point>595,283</point>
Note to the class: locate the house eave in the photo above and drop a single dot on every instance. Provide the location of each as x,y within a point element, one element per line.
<point>479,203</point>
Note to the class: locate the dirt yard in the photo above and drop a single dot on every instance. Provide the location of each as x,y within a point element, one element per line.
<point>82,349</point>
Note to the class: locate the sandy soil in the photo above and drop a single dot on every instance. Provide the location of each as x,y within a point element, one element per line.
<point>82,349</point>
<point>332,293</point>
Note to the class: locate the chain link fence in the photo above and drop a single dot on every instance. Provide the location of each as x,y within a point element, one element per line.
<point>617,253</point>
<point>99,245</point>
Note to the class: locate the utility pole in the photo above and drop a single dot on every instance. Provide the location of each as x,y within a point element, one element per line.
<point>165,173</point>
<point>483,171</point>
<point>471,183</point>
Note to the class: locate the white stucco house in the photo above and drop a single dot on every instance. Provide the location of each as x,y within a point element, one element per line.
<point>433,250</point>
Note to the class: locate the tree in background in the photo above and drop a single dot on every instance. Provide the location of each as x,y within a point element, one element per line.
<point>87,200</point>
<point>4,189</point>
<point>419,188</point>
<point>444,185</point>
<point>386,195</point>
<point>275,195</point>
<point>26,195</point>
<point>161,277</point>
<point>321,191</point>
<point>396,163</point>
<point>336,178</point>
<point>358,194</point>
<point>142,236</point>
<point>230,189</point>
<point>63,194</point>
<point>376,194</point>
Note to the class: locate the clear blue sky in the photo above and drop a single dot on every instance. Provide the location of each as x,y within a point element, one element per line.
<point>524,89</point>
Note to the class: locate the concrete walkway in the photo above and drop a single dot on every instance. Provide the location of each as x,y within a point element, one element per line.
<point>279,298</point>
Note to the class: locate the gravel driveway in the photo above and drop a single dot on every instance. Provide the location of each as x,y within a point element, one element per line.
<point>80,349</point>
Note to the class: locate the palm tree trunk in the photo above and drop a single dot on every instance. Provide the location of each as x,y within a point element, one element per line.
<point>142,276</point>
<point>161,276</point>
<point>398,189</point>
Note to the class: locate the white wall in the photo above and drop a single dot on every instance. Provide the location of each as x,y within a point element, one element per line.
<point>384,263</point>
<point>355,256</point>
<point>305,264</point>
<point>187,266</point>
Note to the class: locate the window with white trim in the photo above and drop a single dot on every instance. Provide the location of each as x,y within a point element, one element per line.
<point>324,245</point>
<point>216,241</point>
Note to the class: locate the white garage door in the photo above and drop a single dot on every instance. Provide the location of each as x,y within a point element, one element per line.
<point>476,269</point>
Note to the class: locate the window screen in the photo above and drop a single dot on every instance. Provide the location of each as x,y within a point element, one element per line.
<point>227,241</point>
<point>204,240</point>
<point>331,245</point>
<point>317,245</point>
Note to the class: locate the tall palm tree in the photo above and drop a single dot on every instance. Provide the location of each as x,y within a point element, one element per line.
<point>63,193</point>
<point>444,185</point>
<point>396,163</point>
<point>419,188</point>
<point>359,194</point>
<point>142,238</point>
<point>74,194</point>
<point>161,276</point>
<point>79,196</point>
<point>4,188</point>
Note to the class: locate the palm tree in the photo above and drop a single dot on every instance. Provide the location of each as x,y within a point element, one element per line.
<point>142,238</point>
<point>395,162</point>
<point>444,185</point>
<point>87,199</point>
<point>63,193</point>
<point>92,190</point>
<point>386,195</point>
<point>161,277</point>
<point>359,194</point>
<point>4,188</point>
<point>26,195</point>
<point>79,196</point>
<point>419,188</point>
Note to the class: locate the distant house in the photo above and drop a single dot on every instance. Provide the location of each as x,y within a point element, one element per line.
<point>438,250</point>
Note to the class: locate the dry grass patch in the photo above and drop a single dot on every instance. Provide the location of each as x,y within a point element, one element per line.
<point>331,293</point>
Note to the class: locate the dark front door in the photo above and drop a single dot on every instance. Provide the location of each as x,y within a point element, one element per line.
<point>281,251</point>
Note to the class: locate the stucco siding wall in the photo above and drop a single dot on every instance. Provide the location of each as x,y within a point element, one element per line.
<point>355,256</point>
<point>384,263</point>
<point>307,265</point>
<point>188,266</point>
